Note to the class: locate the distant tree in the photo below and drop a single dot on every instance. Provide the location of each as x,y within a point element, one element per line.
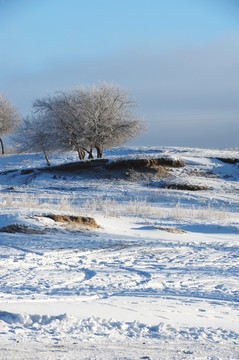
<point>9,119</point>
<point>98,117</point>
<point>63,112</point>
<point>36,134</point>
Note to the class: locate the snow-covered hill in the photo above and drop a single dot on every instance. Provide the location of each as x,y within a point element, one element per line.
<point>157,280</point>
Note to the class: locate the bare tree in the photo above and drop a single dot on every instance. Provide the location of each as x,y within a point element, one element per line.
<point>9,119</point>
<point>36,134</point>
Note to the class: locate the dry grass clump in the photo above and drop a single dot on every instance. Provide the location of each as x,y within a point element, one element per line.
<point>172,230</point>
<point>61,203</point>
<point>147,210</point>
<point>109,207</point>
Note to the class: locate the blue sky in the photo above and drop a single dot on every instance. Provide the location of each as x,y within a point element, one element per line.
<point>178,58</point>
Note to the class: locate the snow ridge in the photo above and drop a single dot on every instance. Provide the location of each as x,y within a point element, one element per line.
<point>94,327</point>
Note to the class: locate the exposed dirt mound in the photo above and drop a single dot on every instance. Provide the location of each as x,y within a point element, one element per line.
<point>101,168</point>
<point>76,166</point>
<point>146,174</point>
<point>20,228</point>
<point>139,164</point>
<point>188,187</point>
<point>82,221</point>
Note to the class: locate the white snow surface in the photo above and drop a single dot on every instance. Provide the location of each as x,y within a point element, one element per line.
<point>130,289</point>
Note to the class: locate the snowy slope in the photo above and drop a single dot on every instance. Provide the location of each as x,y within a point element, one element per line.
<point>157,279</point>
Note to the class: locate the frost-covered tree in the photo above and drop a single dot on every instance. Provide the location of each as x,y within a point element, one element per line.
<point>37,134</point>
<point>97,117</point>
<point>63,113</point>
<point>109,116</point>
<point>9,119</point>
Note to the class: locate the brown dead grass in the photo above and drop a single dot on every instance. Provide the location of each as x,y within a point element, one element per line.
<point>81,221</point>
<point>203,174</point>
<point>172,230</point>
<point>139,164</point>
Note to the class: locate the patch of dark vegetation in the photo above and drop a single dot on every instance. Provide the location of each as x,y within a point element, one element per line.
<point>188,352</point>
<point>21,228</point>
<point>7,189</point>
<point>188,187</point>
<point>27,171</point>
<point>228,160</point>
<point>82,221</point>
<point>204,174</point>
<point>6,172</point>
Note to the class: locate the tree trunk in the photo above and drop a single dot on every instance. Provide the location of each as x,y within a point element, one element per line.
<point>99,150</point>
<point>46,158</point>
<point>2,146</point>
<point>81,154</point>
<point>90,154</point>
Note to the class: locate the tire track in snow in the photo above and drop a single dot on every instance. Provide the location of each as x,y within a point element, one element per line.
<point>150,293</point>
<point>141,273</point>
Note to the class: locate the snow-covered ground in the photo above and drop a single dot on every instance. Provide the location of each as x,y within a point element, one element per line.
<point>157,280</point>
